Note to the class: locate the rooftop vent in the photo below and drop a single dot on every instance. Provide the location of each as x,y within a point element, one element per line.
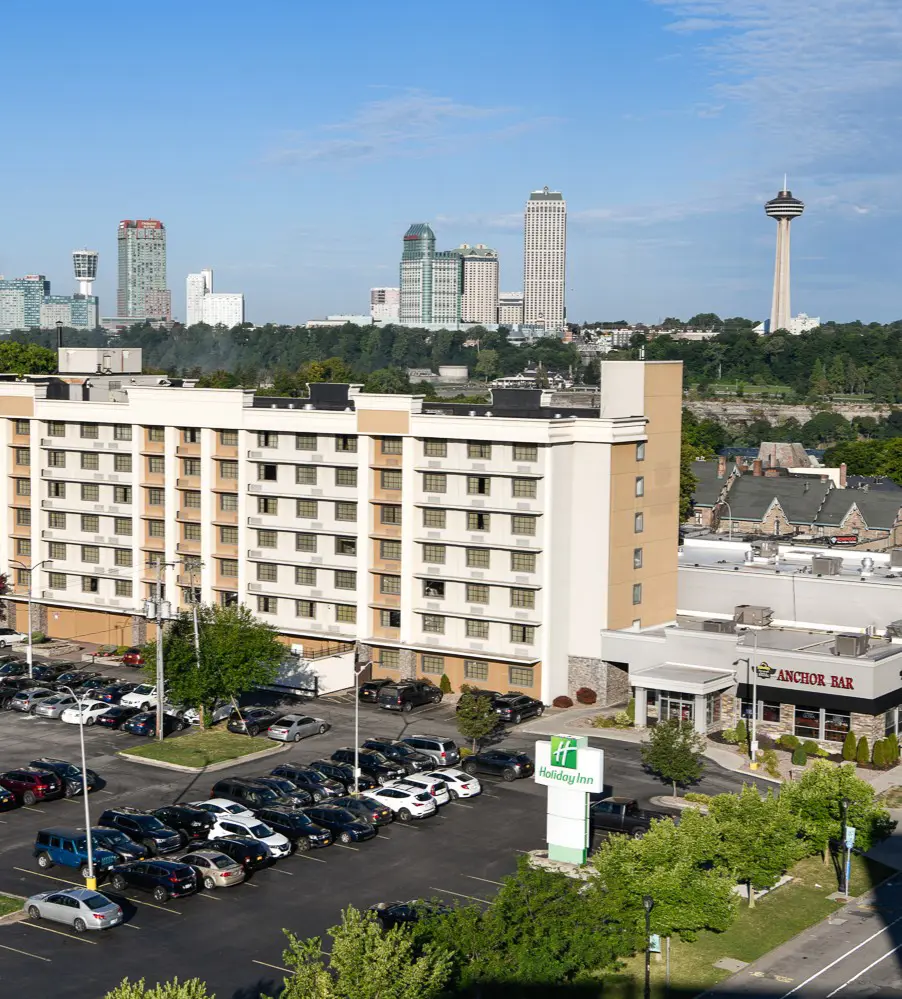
<point>826,565</point>
<point>895,558</point>
<point>851,645</point>
<point>721,627</point>
<point>894,630</point>
<point>753,614</point>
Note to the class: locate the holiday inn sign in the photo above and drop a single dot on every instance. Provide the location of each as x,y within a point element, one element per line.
<point>568,763</point>
<point>571,771</point>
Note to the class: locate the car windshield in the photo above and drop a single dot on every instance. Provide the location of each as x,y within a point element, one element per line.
<point>403,750</point>
<point>65,769</point>
<point>222,862</point>
<point>260,831</point>
<point>233,808</point>
<point>143,688</point>
<point>96,901</point>
<point>56,700</point>
<point>520,757</point>
<point>111,838</point>
<point>281,784</point>
<point>150,823</point>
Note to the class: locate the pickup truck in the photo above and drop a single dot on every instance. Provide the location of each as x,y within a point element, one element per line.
<point>622,815</point>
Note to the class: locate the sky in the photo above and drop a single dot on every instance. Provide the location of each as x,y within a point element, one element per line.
<point>288,145</point>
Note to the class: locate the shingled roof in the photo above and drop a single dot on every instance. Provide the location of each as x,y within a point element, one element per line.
<point>751,496</point>
<point>708,486</point>
<point>879,510</point>
<point>777,455</point>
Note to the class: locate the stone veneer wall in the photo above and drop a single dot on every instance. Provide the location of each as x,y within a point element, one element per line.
<point>610,682</point>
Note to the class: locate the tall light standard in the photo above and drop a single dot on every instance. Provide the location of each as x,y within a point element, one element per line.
<point>90,880</point>
<point>847,856</point>
<point>30,570</point>
<point>752,671</point>
<point>358,669</point>
<point>730,512</point>
<point>647,904</point>
<point>158,609</point>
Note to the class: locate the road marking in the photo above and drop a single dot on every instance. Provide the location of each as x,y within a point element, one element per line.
<point>131,926</point>
<point>342,846</point>
<point>31,809</point>
<point>841,957</point>
<point>864,970</point>
<point>279,870</point>
<point>317,860</point>
<point>15,950</point>
<point>460,804</point>
<point>50,877</point>
<point>276,966</point>
<point>59,933</point>
<point>250,884</point>
<point>206,894</point>
<point>162,908</point>
<point>111,793</point>
<point>488,881</point>
<point>403,825</point>
<point>474,898</point>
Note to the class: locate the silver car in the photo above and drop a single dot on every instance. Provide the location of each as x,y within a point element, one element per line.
<point>293,728</point>
<point>215,869</point>
<point>53,707</point>
<point>80,908</point>
<point>28,700</point>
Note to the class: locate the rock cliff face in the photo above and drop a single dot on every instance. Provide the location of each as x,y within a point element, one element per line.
<point>741,411</point>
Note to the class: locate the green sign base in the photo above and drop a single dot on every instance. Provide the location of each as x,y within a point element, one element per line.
<point>567,854</point>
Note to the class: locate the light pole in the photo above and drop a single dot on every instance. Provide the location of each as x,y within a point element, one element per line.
<point>90,880</point>
<point>154,609</point>
<point>647,904</point>
<point>358,669</point>
<point>753,674</point>
<point>844,805</point>
<point>730,512</point>
<point>30,571</point>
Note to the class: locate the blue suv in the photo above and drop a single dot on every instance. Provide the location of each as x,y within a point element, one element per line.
<point>70,849</point>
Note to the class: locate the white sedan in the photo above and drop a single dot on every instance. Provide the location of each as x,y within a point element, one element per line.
<point>9,636</point>
<point>222,807</point>
<point>85,713</point>
<point>460,784</point>
<point>293,728</point>
<point>406,803</point>
<point>238,825</point>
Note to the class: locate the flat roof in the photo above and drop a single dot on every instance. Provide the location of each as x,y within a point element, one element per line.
<point>816,642</point>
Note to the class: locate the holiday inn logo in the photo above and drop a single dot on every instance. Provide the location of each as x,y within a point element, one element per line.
<point>564,752</point>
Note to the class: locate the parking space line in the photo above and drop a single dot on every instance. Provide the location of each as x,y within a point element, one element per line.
<point>276,966</point>
<point>460,804</point>
<point>162,908</point>
<point>474,898</point>
<point>101,791</point>
<point>50,877</point>
<point>317,860</point>
<point>206,894</point>
<point>488,881</point>
<point>30,809</point>
<point>279,870</point>
<point>131,926</point>
<point>342,846</point>
<point>15,950</point>
<point>396,825</point>
<point>59,933</point>
<point>250,884</point>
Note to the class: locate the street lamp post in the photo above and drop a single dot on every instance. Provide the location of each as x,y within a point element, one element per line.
<point>90,880</point>
<point>752,674</point>
<point>844,805</point>
<point>358,669</point>
<point>155,610</point>
<point>647,904</point>
<point>30,570</point>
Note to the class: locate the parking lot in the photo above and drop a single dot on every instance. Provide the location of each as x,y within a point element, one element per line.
<point>231,938</point>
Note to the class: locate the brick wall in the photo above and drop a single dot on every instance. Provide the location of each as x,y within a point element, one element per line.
<point>609,681</point>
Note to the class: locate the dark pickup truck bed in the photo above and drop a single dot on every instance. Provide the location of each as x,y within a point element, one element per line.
<point>622,815</point>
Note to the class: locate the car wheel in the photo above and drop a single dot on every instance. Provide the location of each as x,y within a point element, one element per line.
<point>8,705</point>
<point>118,882</point>
<point>253,731</point>
<point>322,729</point>
<point>302,845</point>
<point>79,926</point>
<point>160,894</point>
<point>89,721</point>
<point>540,710</point>
<point>70,791</point>
<point>508,774</point>
<point>404,815</point>
<point>517,719</point>
<point>453,793</point>
<point>209,883</point>
<point>469,768</point>
<point>85,871</point>
<point>437,699</point>
<point>151,732</point>
<point>346,837</point>
<point>407,707</point>
<point>181,725</point>
<point>44,861</point>
<point>34,912</point>
<point>297,737</point>
<point>28,798</point>
<point>638,833</point>
<point>318,796</point>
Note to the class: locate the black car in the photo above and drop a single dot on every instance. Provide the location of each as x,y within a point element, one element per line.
<point>482,692</point>
<point>343,774</point>
<point>117,842</point>
<point>11,686</point>
<point>46,672</point>
<point>400,753</point>
<point>143,828</point>
<point>189,822</point>
<point>369,691</point>
<point>14,667</point>
<point>408,695</point>
<point>391,914</point>
<point>373,764</point>
<point>113,692</point>
<point>252,721</point>
<point>145,723</point>
<point>93,685</point>
<point>506,763</point>
<point>7,799</point>
<point>69,774</point>
<point>296,826</point>
<point>164,879</point>
<point>622,815</point>
<point>365,808</point>
<point>251,853</point>
<point>345,825</point>
<point>116,715</point>
<point>288,790</point>
<point>72,678</point>
<point>249,792</point>
<point>514,707</point>
<point>319,787</point>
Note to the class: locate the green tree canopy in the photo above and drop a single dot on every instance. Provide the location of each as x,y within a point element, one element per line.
<point>475,718</point>
<point>191,988</point>
<point>674,752</point>
<point>26,358</point>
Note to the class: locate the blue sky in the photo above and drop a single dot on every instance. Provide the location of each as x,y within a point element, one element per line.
<point>289,144</point>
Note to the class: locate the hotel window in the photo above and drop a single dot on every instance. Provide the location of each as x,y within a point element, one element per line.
<point>56,429</point>
<point>478,558</point>
<point>23,456</point>
<point>155,464</point>
<point>228,567</point>
<point>123,494</point>
<point>58,550</point>
<point>637,593</point>
<point>90,493</point>
<point>390,550</point>
<point>304,608</point>
<point>123,587</point>
<point>305,542</point>
<point>345,443</point>
<point>390,658</point>
<point>807,723</point>
<point>156,528</point>
<point>390,585</point>
<point>345,579</point>
<point>267,539</point>
<point>23,428</point>
<point>89,431</point>
<point>267,572</point>
<point>837,725</point>
<point>345,476</point>
<point>433,624</point>
<point>23,486</point>
<point>390,515</point>
<point>523,598</point>
<point>521,676</point>
<point>228,469</point>
<point>56,459</point>
<point>523,525</point>
<point>434,554</point>
<point>122,557</point>
<point>89,523</point>
<point>23,517</point>
<point>637,558</point>
<point>90,584</point>
<point>640,485</point>
<point>228,535</point>
<point>640,451</point>
<point>432,664</point>
<point>478,485</point>
<point>392,445</point>
<point>305,442</point>
<point>228,502</point>
<point>477,629</point>
<point>23,547</point>
<point>306,508</point>
<point>390,618</point>
<point>268,505</point>
<point>526,452</point>
<point>475,669</point>
<point>389,478</point>
<point>345,546</point>
<point>523,488</point>
<point>190,532</point>
<point>90,553</point>
<point>433,518</point>
<point>267,473</point>
<point>122,432</point>
<point>267,605</point>
<point>346,511</point>
<point>267,438</point>
<point>478,450</point>
<point>57,581</point>
<point>638,523</point>
<point>304,575</point>
<point>434,482</point>
<point>23,578</point>
<point>156,435</point>
<point>305,475</point>
<point>435,448</point>
<point>123,525</point>
<point>228,599</point>
<point>346,613</point>
<point>523,634</point>
<point>228,438</point>
<point>434,589</point>
<point>477,593</point>
<point>191,435</point>
<point>523,562</point>
<point>479,521</point>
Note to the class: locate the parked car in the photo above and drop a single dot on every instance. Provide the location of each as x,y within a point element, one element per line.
<point>46,672</point>
<point>222,806</point>
<point>247,792</point>
<point>84,712</point>
<point>71,775</point>
<point>346,827</point>
<point>295,826</point>
<point>118,843</point>
<point>482,692</point>
<point>514,707</point>
<point>92,687</point>
<point>622,815</point>
<point>253,828</point>
<point>189,822</point>
<point>218,714</point>
<point>408,695</point>
<point>143,828</point>
<point>30,784</point>
<point>69,848</point>
<point>342,774</point>
<point>132,657</point>
<point>435,787</point>
<point>73,678</point>
<point>164,879</point>
<point>7,800</point>
<point>11,686</point>
<point>115,715</point>
<point>509,764</point>
<point>401,754</point>
<point>53,707</point>
<point>27,700</point>
<point>214,868</point>
<point>9,636</point>
<point>366,808</point>
<point>369,691</point>
<point>391,914</point>
<point>406,803</point>
<point>144,696</point>
<point>251,853</point>
<point>373,764</point>
<point>14,667</point>
<point>460,784</point>
<point>80,908</point>
<point>310,780</point>
<point>443,751</point>
<point>293,728</point>
<point>113,692</point>
<point>145,723</point>
<point>291,794</point>
<point>252,721</point>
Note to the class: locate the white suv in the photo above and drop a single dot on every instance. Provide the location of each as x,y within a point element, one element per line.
<point>460,784</point>
<point>223,807</point>
<point>406,802</point>
<point>435,787</point>
<point>239,825</point>
<point>144,696</point>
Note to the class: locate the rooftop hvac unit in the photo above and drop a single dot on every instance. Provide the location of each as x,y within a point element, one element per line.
<point>753,614</point>
<point>895,558</point>
<point>722,627</point>
<point>851,645</point>
<point>826,565</point>
<point>894,629</point>
<point>766,548</point>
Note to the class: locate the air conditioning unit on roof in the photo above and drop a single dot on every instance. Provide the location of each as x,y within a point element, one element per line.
<point>826,565</point>
<point>851,645</point>
<point>755,615</point>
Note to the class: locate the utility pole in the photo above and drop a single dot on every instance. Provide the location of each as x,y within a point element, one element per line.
<point>154,609</point>
<point>194,565</point>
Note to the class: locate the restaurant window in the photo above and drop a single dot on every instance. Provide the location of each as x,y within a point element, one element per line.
<point>807,723</point>
<point>767,710</point>
<point>475,669</point>
<point>712,709</point>
<point>837,725</point>
<point>675,706</point>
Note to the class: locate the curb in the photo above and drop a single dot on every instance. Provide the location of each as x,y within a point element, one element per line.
<point>18,915</point>
<point>224,765</point>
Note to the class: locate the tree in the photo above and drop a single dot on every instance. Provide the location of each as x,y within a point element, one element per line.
<point>487,365</point>
<point>836,376</point>
<point>864,754</point>
<point>237,652</point>
<point>193,988</point>
<point>818,384</point>
<point>688,479</point>
<point>27,359</point>
<point>388,380</point>
<point>849,747</point>
<point>476,718</point>
<point>674,752</point>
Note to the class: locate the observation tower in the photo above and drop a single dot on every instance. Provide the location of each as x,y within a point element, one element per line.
<point>784,208</point>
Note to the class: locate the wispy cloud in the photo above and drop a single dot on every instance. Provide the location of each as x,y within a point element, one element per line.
<point>413,123</point>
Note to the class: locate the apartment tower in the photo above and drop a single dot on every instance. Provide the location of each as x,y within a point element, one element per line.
<point>479,284</point>
<point>142,290</point>
<point>416,274</point>
<point>545,260</point>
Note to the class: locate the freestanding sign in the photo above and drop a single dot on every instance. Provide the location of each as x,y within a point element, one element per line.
<point>571,771</point>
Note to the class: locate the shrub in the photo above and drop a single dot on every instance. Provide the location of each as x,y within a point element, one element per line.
<point>849,747</point>
<point>821,752</point>
<point>586,695</point>
<point>622,719</point>
<point>631,710</point>
<point>771,762</point>
<point>799,757</point>
<point>697,797</point>
<point>562,701</point>
<point>810,747</point>
<point>121,649</point>
<point>37,637</point>
<point>730,735</point>
<point>765,741</point>
<point>788,741</point>
<point>604,721</point>
<point>878,756</point>
<point>444,685</point>
<point>892,744</point>
<point>742,732</point>
<point>464,751</point>
<point>864,754</point>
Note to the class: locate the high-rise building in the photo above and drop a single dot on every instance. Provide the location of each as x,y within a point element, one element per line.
<point>447,282</point>
<point>21,300</point>
<point>84,262</point>
<point>416,274</point>
<point>784,208</point>
<point>385,305</point>
<point>479,284</point>
<point>142,288</point>
<point>510,308</point>
<point>196,286</point>
<point>545,260</point>
<point>203,305</point>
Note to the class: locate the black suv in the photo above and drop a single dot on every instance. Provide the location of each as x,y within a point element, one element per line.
<point>252,721</point>
<point>117,842</point>
<point>248,792</point>
<point>189,822</point>
<point>492,695</point>
<point>373,764</point>
<point>312,781</point>
<point>408,695</point>
<point>506,763</point>
<point>400,753</point>
<point>343,774</point>
<point>303,832</point>
<point>514,707</point>
<point>143,828</point>
<point>69,774</point>
<point>164,879</point>
<point>369,691</point>
<point>298,797</point>
<point>251,853</point>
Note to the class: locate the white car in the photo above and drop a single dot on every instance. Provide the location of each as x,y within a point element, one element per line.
<point>460,784</point>
<point>238,825</point>
<point>407,803</point>
<point>192,715</point>
<point>433,786</point>
<point>144,696</point>
<point>223,807</point>
<point>85,713</point>
<point>9,636</point>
